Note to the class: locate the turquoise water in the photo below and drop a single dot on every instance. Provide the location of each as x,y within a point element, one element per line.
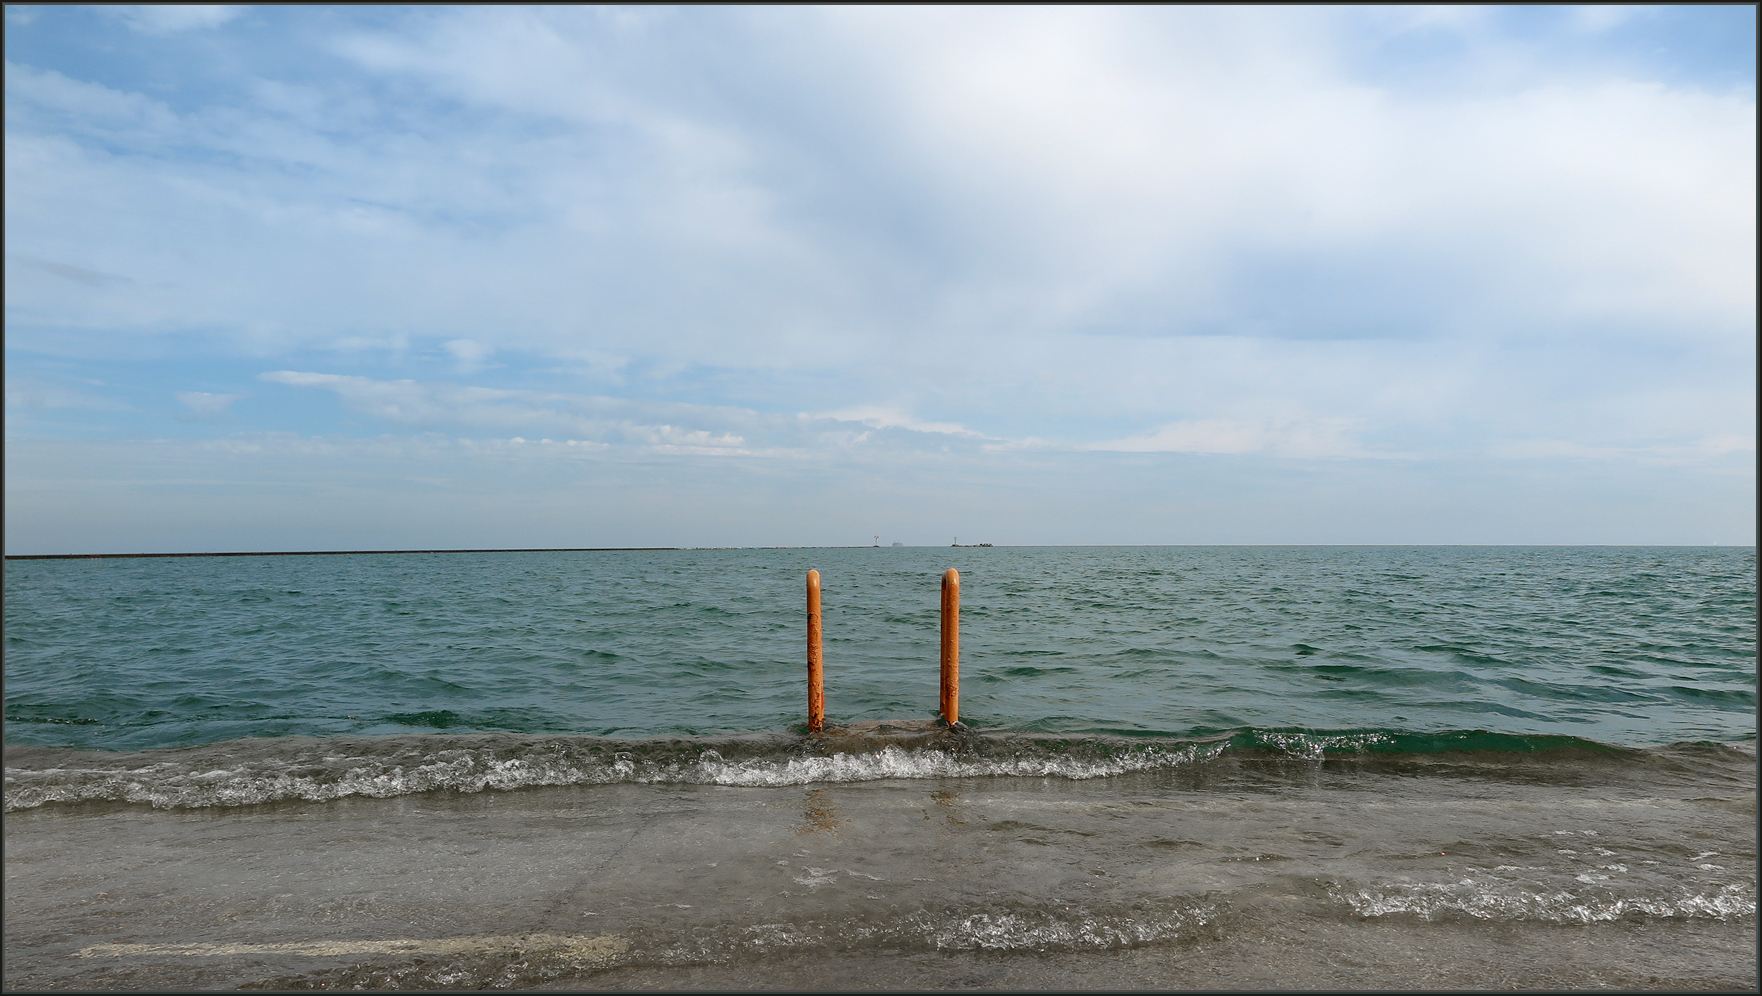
<point>1623,646</point>
<point>1373,757</point>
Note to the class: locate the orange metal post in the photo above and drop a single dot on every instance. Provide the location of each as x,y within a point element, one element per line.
<point>816,663</point>
<point>951,646</point>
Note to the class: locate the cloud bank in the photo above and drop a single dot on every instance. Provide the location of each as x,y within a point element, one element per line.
<point>1358,236</point>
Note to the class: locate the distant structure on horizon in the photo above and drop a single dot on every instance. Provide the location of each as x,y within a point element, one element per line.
<point>898,543</point>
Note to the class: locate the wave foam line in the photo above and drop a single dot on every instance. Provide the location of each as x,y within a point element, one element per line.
<point>1001,931</point>
<point>1430,902</point>
<point>165,786</point>
<point>591,950</point>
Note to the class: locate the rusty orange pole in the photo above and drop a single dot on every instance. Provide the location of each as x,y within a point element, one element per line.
<point>951,646</point>
<point>816,663</point>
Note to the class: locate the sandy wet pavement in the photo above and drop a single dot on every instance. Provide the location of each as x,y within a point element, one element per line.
<point>1347,956</point>
<point>1005,883</point>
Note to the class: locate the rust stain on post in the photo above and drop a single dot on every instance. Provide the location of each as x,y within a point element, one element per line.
<point>951,646</point>
<point>816,663</point>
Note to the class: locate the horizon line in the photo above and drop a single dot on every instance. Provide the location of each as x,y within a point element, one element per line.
<point>664,549</point>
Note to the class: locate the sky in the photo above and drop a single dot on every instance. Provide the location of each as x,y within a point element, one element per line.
<point>312,278</point>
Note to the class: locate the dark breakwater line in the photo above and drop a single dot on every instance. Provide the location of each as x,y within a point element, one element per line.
<point>334,553</point>
<point>264,770</point>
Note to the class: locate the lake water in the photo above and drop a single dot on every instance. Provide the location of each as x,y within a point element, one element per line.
<point>1173,756</point>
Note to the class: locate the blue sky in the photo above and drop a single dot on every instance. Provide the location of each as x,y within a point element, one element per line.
<point>316,278</point>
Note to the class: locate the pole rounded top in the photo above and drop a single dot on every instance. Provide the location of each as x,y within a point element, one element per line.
<point>813,579</point>
<point>951,576</point>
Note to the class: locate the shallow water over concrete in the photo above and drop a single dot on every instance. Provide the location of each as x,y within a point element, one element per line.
<point>1465,871</point>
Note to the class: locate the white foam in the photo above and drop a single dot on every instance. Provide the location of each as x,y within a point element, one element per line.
<point>1039,930</point>
<point>168,787</point>
<point>895,762</point>
<point>1433,901</point>
<point>1043,932</point>
<point>579,949</point>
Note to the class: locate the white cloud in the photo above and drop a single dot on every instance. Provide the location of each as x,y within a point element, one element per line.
<point>662,426</point>
<point>1703,450</point>
<point>469,353</point>
<point>887,418</point>
<point>1279,437</point>
<point>1597,18</point>
<point>26,393</point>
<point>1198,171</point>
<point>97,108</point>
<point>202,404</point>
<point>170,18</point>
<point>632,424</point>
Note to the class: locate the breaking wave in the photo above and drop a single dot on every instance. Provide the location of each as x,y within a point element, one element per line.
<point>249,774</point>
<point>263,770</point>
